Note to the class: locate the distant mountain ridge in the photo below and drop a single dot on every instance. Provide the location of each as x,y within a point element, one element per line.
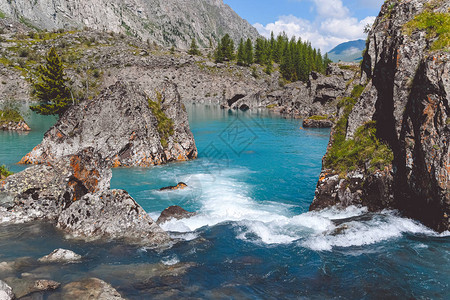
<point>348,51</point>
<point>167,22</point>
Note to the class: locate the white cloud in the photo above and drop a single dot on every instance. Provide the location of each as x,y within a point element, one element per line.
<point>333,25</point>
<point>331,8</point>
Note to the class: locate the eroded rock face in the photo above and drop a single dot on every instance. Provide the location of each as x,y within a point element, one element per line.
<point>42,192</point>
<point>317,97</point>
<point>73,192</point>
<point>155,20</point>
<point>121,127</point>
<point>407,94</point>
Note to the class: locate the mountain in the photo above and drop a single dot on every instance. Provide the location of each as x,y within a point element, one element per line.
<point>348,51</point>
<point>166,22</point>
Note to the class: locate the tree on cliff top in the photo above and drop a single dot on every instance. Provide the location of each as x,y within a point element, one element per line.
<point>51,90</point>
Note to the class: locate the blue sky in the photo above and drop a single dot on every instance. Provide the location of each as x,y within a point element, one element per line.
<point>326,23</point>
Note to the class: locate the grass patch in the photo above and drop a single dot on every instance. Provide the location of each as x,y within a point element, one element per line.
<point>355,153</point>
<point>437,26</point>
<point>2,15</point>
<point>347,155</point>
<point>318,117</point>
<point>165,124</point>
<point>349,67</point>
<point>9,115</point>
<point>270,106</point>
<point>4,172</point>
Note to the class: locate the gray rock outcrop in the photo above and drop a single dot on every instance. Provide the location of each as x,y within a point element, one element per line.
<point>120,125</point>
<point>407,94</point>
<point>170,22</point>
<point>74,193</point>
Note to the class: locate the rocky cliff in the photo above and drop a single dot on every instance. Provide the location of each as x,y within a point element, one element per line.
<point>390,148</point>
<point>125,124</point>
<point>169,22</point>
<point>73,192</point>
<point>318,96</point>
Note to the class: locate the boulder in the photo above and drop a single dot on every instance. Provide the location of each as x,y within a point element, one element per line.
<point>112,214</point>
<point>174,212</point>
<point>121,126</point>
<point>61,256</point>
<point>90,288</point>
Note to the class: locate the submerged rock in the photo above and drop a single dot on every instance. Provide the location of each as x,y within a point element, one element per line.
<point>174,212</point>
<point>61,256</point>
<point>179,186</point>
<point>6,292</point>
<point>27,286</point>
<point>90,288</point>
<point>122,126</point>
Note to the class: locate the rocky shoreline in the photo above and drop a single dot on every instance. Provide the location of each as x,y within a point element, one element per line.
<point>15,126</point>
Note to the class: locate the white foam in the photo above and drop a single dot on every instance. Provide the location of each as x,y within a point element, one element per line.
<point>224,197</point>
<point>170,260</point>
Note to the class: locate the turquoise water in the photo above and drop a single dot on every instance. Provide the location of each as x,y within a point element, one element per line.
<point>253,237</point>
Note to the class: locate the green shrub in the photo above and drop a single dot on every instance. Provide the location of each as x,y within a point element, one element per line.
<point>365,147</point>
<point>165,124</point>
<point>318,117</point>
<point>347,155</point>
<point>4,172</point>
<point>437,26</point>
<point>9,115</point>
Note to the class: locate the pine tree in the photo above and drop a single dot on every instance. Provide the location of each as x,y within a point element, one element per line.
<point>194,48</point>
<point>51,90</point>
<point>259,51</point>
<point>248,52</point>
<point>225,49</point>
<point>241,53</point>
